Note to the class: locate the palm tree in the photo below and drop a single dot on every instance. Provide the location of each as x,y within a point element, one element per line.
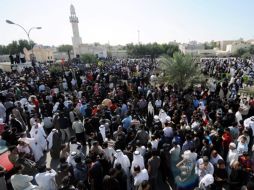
<point>182,70</point>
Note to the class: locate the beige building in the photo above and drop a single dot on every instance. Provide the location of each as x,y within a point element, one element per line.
<point>192,48</point>
<point>95,49</point>
<point>42,53</point>
<point>231,48</point>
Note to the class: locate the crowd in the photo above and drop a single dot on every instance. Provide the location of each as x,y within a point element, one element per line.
<point>109,128</point>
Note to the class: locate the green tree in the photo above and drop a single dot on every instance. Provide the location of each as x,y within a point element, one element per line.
<point>182,70</point>
<point>13,47</point>
<point>3,50</point>
<point>246,55</point>
<point>16,47</point>
<point>240,52</point>
<point>153,50</point>
<point>251,49</point>
<point>171,49</point>
<point>88,58</point>
<point>64,48</point>
<point>25,44</point>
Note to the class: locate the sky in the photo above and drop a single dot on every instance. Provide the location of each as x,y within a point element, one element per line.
<point>118,21</point>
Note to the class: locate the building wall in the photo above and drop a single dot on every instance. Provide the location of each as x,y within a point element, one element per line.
<point>231,48</point>
<point>100,51</point>
<point>119,53</point>
<point>191,48</point>
<point>42,54</point>
<point>4,58</point>
<point>61,55</point>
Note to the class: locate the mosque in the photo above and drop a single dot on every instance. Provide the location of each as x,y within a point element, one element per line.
<point>79,48</point>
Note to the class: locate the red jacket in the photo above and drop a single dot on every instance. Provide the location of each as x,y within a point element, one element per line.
<point>227,139</point>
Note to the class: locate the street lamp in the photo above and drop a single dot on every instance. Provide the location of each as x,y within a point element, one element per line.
<point>27,33</point>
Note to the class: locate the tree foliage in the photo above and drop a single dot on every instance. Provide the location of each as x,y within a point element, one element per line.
<point>182,70</point>
<point>240,52</point>
<point>211,45</point>
<point>88,58</point>
<point>243,52</point>
<point>16,47</point>
<point>64,48</point>
<point>153,50</point>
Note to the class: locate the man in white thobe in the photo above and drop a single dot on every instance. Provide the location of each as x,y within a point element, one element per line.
<point>123,160</point>
<point>22,182</point>
<point>37,132</point>
<point>46,179</point>
<point>138,160</point>
<point>37,150</point>
<point>140,176</point>
<point>2,111</point>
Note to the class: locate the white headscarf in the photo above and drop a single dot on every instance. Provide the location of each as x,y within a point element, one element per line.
<point>163,115</point>
<point>207,180</point>
<point>138,160</point>
<point>123,160</point>
<point>103,131</point>
<point>50,138</point>
<point>150,108</point>
<point>71,159</point>
<point>55,107</point>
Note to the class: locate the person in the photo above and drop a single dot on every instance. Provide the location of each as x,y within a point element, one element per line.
<point>220,175</point>
<point>71,159</point>
<point>123,160</point>
<point>15,123</point>
<point>37,132</point>
<point>138,160</point>
<point>48,123</point>
<point>246,165</point>
<point>20,181</point>
<point>108,152</point>
<point>206,181</point>
<point>80,170</point>
<point>203,167</point>
<point>153,168</point>
<point>127,121</point>
<point>215,157</point>
<point>54,143</point>
<point>11,59</point>
<point>145,186</point>
<point>95,174</point>
<point>232,156</point>
<point>226,140</point>
<point>142,135</point>
<point>2,179</point>
<point>63,170</point>
<point>78,128</point>
<point>66,184</point>
<point>236,176</point>
<point>121,177</point>
<point>188,144</point>
<point>37,149</point>
<point>46,178</point>
<point>206,150</point>
<point>242,146</point>
<point>139,176</point>
<point>2,111</point>
<point>110,182</point>
<point>168,132</point>
<point>63,123</point>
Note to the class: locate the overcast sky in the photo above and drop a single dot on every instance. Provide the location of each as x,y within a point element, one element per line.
<point>118,21</point>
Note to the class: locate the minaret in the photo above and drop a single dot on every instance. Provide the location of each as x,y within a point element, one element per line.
<point>76,40</point>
